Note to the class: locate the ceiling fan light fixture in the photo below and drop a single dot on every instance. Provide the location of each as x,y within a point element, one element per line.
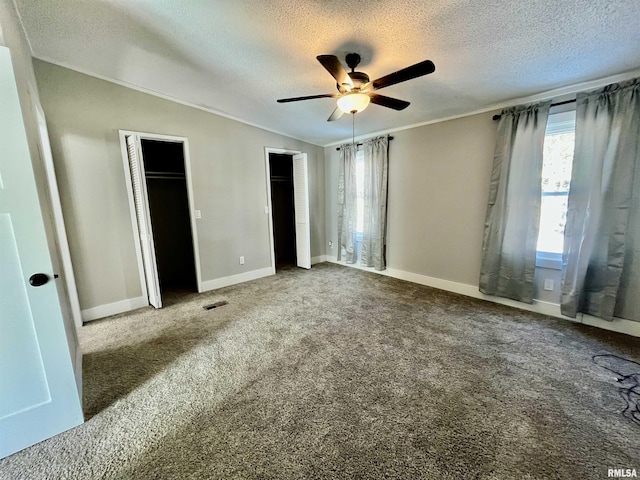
<point>353,102</point>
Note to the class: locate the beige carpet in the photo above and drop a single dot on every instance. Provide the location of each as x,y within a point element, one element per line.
<point>340,373</point>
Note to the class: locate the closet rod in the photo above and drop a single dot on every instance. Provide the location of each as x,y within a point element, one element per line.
<point>359,144</point>
<point>163,172</point>
<point>165,177</point>
<point>497,117</point>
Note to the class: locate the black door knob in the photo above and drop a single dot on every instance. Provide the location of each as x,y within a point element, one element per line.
<point>38,279</point>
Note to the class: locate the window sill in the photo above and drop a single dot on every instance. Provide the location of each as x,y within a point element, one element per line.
<point>552,261</point>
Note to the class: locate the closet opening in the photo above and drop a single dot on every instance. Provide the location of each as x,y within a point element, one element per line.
<point>169,210</point>
<point>282,209</point>
<point>288,196</point>
<point>161,202</point>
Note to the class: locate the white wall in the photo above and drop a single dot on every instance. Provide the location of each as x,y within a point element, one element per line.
<point>229,181</point>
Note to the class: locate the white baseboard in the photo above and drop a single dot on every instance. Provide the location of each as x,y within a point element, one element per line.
<point>619,325</point>
<point>318,259</point>
<point>234,279</point>
<point>122,306</point>
<point>114,308</point>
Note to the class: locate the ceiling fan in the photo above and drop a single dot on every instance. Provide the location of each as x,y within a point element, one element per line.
<point>355,90</point>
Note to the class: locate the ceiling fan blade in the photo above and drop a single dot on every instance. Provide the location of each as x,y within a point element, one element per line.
<point>310,97</point>
<point>388,102</point>
<point>337,113</point>
<point>414,71</point>
<point>335,68</point>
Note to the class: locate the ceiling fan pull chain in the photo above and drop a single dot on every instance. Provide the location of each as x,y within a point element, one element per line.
<point>353,128</point>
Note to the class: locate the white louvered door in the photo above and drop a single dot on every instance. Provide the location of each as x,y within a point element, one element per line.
<point>141,200</point>
<point>301,206</point>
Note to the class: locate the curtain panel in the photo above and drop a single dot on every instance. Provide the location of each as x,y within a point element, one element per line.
<point>513,210</point>
<point>376,174</point>
<point>347,203</point>
<point>605,168</point>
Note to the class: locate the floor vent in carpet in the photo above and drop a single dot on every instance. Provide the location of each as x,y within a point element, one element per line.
<point>215,305</point>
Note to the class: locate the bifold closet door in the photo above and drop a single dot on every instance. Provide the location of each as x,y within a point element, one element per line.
<point>301,206</point>
<point>143,217</point>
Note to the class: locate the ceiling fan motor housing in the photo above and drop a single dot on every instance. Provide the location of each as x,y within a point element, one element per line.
<point>359,79</point>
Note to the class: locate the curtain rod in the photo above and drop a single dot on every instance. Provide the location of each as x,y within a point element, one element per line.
<point>497,117</point>
<point>358,144</point>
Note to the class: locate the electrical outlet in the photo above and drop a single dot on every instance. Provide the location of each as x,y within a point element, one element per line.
<point>198,214</point>
<point>331,245</point>
<point>266,209</point>
<point>241,260</point>
<point>548,284</point>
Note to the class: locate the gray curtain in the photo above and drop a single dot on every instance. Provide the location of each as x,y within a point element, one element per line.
<point>347,203</point>
<point>604,166</point>
<point>513,212</point>
<point>376,169</point>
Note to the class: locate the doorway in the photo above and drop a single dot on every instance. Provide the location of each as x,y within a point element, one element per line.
<point>169,210</point>
<point>282,209</point>
<point>162,214</point>
<point>289,225</point>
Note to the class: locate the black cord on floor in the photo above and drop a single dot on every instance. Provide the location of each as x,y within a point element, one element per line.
<point>629,385</point>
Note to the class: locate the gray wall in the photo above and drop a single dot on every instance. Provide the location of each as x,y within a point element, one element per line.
<point>229,181</point>
<point>438,190</point>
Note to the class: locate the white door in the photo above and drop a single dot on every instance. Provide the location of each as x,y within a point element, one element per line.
<point>38,392</point>
<point>301,206</point>
<point>145,232</point>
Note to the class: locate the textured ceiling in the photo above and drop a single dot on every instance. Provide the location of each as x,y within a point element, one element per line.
<point>237,57</point>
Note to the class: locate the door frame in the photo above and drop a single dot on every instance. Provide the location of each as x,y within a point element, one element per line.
<point>132,207</point>
<point>46,155</point>
<point>267,151</point>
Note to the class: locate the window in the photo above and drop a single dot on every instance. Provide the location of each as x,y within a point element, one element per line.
<point>556,179</point>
